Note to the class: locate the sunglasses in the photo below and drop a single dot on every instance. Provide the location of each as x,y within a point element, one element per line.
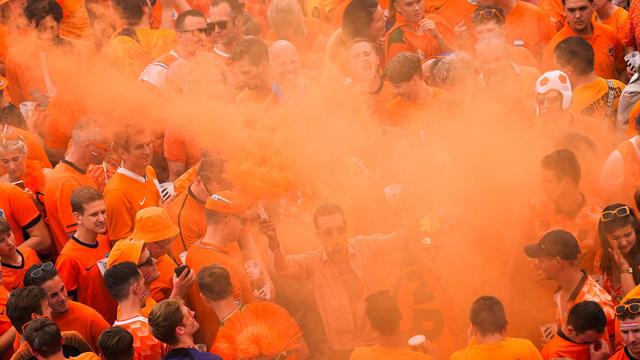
<point>206,31</point>
<point>631,308</point>
<point>37,272</point>
<point>338,230</point>
<point>486,13</point>
<point>222,25</point>
<point>609,215</point>
<point>148,262</point>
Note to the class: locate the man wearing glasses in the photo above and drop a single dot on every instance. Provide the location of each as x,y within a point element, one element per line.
<point>191,35</point>
<point>341,274</point>
<point>225,22</point>
<point>225,214</point>
<point>628,316</point>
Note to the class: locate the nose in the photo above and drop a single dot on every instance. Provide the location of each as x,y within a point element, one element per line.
<point>101,217</point>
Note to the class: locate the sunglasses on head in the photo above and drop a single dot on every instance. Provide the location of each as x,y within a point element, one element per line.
<point>631,308</point>
<point>206,31</point>
<point>609,215</point>
<point>38,271</point>
<point>222,25</point>
<point>486,13</point>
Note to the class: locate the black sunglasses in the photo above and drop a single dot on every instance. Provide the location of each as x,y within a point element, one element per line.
<point>148,262</point>
<point>222,25</point>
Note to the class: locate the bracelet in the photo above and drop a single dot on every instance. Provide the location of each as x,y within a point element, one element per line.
<point>626,270</point>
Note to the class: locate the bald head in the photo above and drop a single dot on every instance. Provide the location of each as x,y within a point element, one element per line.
<point>285,62</point>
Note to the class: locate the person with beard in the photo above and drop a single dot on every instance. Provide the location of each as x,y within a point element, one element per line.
<point>68,314</point>
<point>126,284</point>
<point>225,20</point>
<point>79,260</point>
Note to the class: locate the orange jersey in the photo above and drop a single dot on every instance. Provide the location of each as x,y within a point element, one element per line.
<point>83,319</point>
<point>200,255</point>
<point>179,145</point>
<point>406,36</point>
<point>453,11</point>
<point>555,11</point>
<point>17,207</point>
<point>509,348</point>
<point>543,217</point>
<point>619,22</point>
<point>133,49</point>
<point>526,25</point>
<point>5,323</point>
<point>127,193</point>
<point>622,354</point>
<point>61,182</point>
<point>561,347</point>
<point>161,288</point>
<point>75,22</point>
<point>187,213</point>
<point>78,269</point>
<point>145,345</point>
<point>608,50</point>
<point>13,275</point>
<point>60,116</point>
<point>592,100</point>
<point>403,113</point>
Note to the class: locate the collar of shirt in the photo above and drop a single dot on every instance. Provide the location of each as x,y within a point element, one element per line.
<point>132,175</point>
<point>73,166</point>
<point>628,353</point>
<point>129,321</point>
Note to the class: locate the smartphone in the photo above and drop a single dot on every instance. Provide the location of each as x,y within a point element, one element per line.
<point>180,269</point>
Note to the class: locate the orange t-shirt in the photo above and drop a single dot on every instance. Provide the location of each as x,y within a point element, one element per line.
<point>145,345</point>
<point>5,323</point>
<point>404,37</point>
<point>61,182</point>
<point>179,145</point>
<point>592,99</point>
<point>127,193</point>
<point>200,256</point>
<point>561,347</point>
<point>75,22</point>
<point>60,116</point>
<point>162,286</point>
<point>83,319</point>
<point>526,25</point>
<point>17,207</point>
<point>403,113</point>
<point>622,354</point>
<point>555,11</point>
<point>13,276</point>
<point>522,56</point>
<point>453,11</point>
<point>78,269</point>
<point>187,213</point>
<point>509,348</point>
<point>619,22</point>
<point>132,50</point>
<point>607,48</point>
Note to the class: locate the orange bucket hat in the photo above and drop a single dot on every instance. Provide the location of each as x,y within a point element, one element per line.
<point>154,224</point>
<point>226,202</point>
<point>123,251</point>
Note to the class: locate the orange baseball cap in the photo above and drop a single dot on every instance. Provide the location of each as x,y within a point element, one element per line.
<point>125,250</point>
<point>226,202</point>
<point>154,224</point>
<point>3,80</point>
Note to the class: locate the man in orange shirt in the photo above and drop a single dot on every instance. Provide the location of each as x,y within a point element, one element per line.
<point>251,68</point>
<point>116,343</point>
<point>45,341</point>
<point>154,227</point>
<point>134,186</point>
<point>17,207</point>
<point>413,97</point>
<point>26,304</point>
<point>69,315</point>
<point>613,16</point>
<point>127,286</point>
<point>581,337</point>
<point>593,96</point>
<point>89,145</point>
<point>237,319</point>
<point>15,262</point>
<point>414,31</point>
<point>79,261</point>
<point>488,331</point>
<point>225,220</point>
<point>187,210</point>
<point>525,23</point>
<point>628,315</point>
<point>608,49</point>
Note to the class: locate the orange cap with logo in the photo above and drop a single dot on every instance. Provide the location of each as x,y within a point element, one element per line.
<point>125,250</point>
<point>226,202</point>
<point>154,224</point>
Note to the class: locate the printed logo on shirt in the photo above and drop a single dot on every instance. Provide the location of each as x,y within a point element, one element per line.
<point>142,201</point>
<point>89,267</point>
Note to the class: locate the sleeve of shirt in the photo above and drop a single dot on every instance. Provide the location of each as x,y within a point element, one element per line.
<point>295,266</point>
<point>378,242</point>
<point>69,271</point>
<point>63,203</point>
<point>119,222</point>
<point>23,210</point>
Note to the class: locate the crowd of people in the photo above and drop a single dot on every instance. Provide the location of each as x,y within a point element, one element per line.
<point>272,179</point>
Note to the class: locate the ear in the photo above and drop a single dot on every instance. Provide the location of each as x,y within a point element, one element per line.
<point>76,217</point>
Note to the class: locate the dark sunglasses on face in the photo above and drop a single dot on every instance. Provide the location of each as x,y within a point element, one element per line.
<point>147,262</point>
<point>222,25</point>
<point>336,231</point>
